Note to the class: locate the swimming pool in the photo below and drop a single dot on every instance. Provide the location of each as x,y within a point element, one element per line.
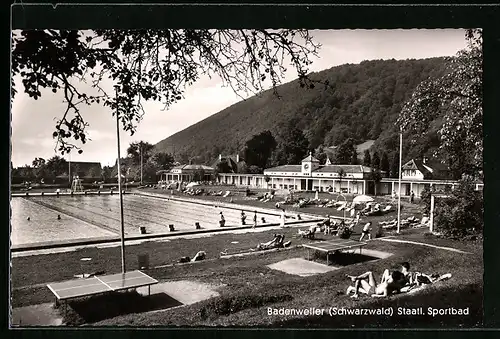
<point>99,216</point>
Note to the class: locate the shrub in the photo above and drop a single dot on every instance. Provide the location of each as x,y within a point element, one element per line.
<point>228,305</point>
<point>425,197</point>
<point>461,214</point>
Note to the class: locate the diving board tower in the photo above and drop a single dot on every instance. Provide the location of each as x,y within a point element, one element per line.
<point>76,185</point>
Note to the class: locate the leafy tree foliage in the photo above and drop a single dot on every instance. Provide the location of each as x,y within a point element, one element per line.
<point>354,158</point>
<point>136,148</point>
<point>462,213</point>
<point>292,145</point>
<point>458,98</point>
<point>394,167</point>
<point>376,160</point>
<point>259,148</point>
<point>58,166</point>
<point>148,65</point>
<point>384,163</point>
<point>162,160</point>
<point>106,173</point>
<point>320,154</point>
<point>38,162</point>
<point>223,167</point>
<point>254,169</point>
<point>345,152</point>
<point>367,159</point>
<point>376,176</point>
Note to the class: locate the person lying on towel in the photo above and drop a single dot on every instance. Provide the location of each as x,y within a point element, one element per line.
<point>418,279</point>
<point>390,283</point>
<point>276,242</point>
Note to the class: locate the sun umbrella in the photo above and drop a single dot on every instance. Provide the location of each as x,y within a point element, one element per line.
<point>191,184</point>
<point>362,199</point>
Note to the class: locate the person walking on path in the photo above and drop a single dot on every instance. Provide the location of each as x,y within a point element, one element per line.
<point>243,218</point>
<point>254,219</point>
<point>222,221</point>
<point>366,231</point>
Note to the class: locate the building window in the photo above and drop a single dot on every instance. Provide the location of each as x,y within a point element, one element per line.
<point>281,186</point>
<point>285,186</point>
<point>274,185</point>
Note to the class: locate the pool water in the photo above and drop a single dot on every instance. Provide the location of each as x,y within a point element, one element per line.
<point>99,216</point>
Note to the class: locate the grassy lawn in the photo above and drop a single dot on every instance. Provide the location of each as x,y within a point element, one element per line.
<point>248,282</point>
<point>249,286</point>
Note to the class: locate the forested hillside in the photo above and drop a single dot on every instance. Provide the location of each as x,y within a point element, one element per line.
<point>362,102</point>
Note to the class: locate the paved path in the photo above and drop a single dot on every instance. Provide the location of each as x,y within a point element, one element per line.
<point>423,244</point>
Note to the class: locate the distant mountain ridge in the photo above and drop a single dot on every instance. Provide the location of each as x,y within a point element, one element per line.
<point>363,101</point>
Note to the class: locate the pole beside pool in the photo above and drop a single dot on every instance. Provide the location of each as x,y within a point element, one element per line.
<point>119,176</point>
<point>400,175</point>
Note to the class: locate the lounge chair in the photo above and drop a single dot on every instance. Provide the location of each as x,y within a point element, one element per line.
<point>424,222</point>
<point>387,209</point>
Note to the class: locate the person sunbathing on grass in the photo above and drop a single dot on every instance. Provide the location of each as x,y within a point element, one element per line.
<point>276,242</point>
<point>419,279</point>
<point>390,283</point>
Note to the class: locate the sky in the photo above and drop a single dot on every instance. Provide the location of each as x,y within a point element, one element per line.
<point>33,121</point>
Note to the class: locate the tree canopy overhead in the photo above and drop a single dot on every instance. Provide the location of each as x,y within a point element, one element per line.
<point>149,65</point>
<point>458,97</point>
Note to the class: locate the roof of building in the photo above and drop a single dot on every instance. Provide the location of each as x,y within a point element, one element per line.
<point>193,167</point>
<point>323,168</point>
<point>231,160</point>
<point>285,168</point>
<point>418,165</point>
<point>346,168</point>
<point>310,158</point>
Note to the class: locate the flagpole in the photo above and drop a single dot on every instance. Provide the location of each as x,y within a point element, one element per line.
<point>69,169</point>
<point>122,233</point>
<point>400,174</point>
<point>140,150</point>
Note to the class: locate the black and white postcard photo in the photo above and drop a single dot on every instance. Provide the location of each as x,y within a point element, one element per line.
<point>274,178</point>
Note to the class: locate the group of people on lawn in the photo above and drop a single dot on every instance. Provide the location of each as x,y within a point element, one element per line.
<point>391,282</point>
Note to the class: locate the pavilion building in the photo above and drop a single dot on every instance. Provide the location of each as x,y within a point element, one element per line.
<point>310,175</point>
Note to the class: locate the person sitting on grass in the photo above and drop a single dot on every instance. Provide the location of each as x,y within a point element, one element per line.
<point>333,227</point>
<point>344,231</point>
<point>326,222</point>
<point>308,233</point>
<point>390,283</point>
<point>367,229</point>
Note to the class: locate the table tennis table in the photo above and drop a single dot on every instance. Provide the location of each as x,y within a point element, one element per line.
<point>100,284</point>
<point>332,246</point>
